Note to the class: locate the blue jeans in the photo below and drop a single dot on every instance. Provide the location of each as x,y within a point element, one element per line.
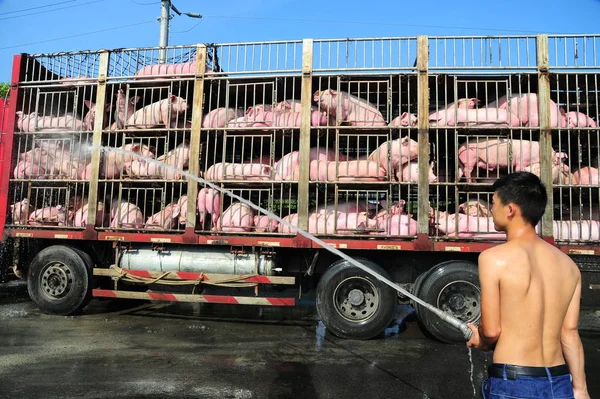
<point>529,387</point>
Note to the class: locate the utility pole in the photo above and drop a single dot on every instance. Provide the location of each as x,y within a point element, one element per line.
<point>163,42</point>
<point>164,30</point>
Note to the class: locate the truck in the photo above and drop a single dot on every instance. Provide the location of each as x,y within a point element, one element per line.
<point>183,173</point>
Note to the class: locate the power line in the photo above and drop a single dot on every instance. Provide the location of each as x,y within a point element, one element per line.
<point>36,8</point>
<point>78,35</point>
<point>368,23</point>
<point>187,30</point>
<point>145,4</point>
<point>56,9</point>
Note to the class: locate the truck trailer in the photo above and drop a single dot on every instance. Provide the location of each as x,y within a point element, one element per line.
<point>125,172</point>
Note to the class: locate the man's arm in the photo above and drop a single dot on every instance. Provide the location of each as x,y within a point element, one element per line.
<point>486,336</point>
<point>571,344</point>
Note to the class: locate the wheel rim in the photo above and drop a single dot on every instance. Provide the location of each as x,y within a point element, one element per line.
<point>461,299</point>
<point>56,280</point>
<point>356,299</point>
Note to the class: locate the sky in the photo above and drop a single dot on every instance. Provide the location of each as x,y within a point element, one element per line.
<point>45,26</point>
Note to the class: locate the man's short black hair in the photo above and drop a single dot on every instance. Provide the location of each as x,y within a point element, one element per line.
<point>525,190</point>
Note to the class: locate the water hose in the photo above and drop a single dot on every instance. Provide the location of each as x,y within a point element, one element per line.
<point>444,316</point>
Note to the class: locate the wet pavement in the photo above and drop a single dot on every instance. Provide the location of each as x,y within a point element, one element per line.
<point>131,349</point>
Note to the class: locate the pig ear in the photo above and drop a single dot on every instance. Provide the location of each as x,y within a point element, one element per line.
<point>58,207</point>
<point>107,107</point>
<point>176,211</point>
<point>172,97</point>
<point>332,92</point>
<point>135,148</point>
<point>19,113</point>
<point>134,100</point>
<point>88,104</point>
<point>404,114</point>
<point>404,140</point>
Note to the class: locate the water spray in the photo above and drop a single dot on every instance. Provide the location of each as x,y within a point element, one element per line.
<point>444,316</point>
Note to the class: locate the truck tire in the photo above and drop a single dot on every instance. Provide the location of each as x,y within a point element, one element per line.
<point>59,280</point>
<point>352,303</point>
<point>453,287</point>
<point>415,290</point>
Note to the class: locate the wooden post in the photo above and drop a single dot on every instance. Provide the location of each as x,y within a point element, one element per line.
<point>196,136</point>
<point>304,157</point>
<point>423,126</point>
<point>97,140</point>
<point>545,130</point>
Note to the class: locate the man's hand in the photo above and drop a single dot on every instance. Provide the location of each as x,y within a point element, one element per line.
<point>581,394</point>
<point>475,340</point>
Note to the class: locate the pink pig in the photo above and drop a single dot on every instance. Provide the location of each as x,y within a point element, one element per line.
<point>90,116</point>
<point>182,204</point>
<point>124,109</point>
<point>404,120</point>
<point>178,157</point>
<point>525,108</point>
<point>53,214</point>
<point>346,171</point>
<point>209,202</point>
<point>238,171</point>
<point>396,225</point>
<point>158,114</point>
<point>27,170</point>
<point>354,222</point>
<point>27,123</point>
<point>115,161</point>
<point>584,230</point>
<point>441,117</point>
<point>238,217</point>
<point>483,117</point>
<point>286,168</point>
<point>220,117</point>
<point>451,224</point>
<point>81,215</point>
<point>491,154</point>
<point>476,208</point>
<point>410,173</point>
<point>561,174</point>
<point>263,224</point>
<point>20,211</point>
<point>579,119</point>
<point>175,71</point>
<point>126,215</point>
<point>402,150</point>
<point>586,175</point>
<point>353,110</point>
<point>165,219</point>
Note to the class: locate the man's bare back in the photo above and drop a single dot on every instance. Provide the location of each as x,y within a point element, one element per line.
<point>537,283</point>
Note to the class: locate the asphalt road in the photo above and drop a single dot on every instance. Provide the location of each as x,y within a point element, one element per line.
<point>119,349</point>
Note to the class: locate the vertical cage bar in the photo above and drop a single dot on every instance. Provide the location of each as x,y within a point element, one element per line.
<point>423,126</point>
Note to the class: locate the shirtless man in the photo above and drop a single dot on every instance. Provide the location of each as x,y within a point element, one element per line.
<point>530,294</point>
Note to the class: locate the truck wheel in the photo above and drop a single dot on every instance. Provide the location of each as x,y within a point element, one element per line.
<point>59,280</point>
<point>453,287</point>
<point>352,303</point>
<point>415,290</point>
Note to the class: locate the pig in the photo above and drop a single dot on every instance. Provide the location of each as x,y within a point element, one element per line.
<point>291,219</point>
<point>525,108</point>
<point>346,171</point>
<point>292,105</point>
<point>52,214</point>
<point>479,208</point>
<point>410,173</point>
<point>579,119</point>
<point>158,114</point>
<point>20,211</point>
<point>126,215</point>
<point>452,224</point>
<point>90,116</point>
<point>183,208</point>
<point>561,174</point>
<point>482,117</point>
<point>354,222</point>
<point>81,215</point>
<point>396,225</point>
<point>286,168</point>
<point>238,171</point>
<point>86,174</point>
<point>179,157</point>
<point>220,117</point>
<point>260,114</point>
<point>353,110</point>
<point>395,208</point>
<point>238,217</point>
<point>155,170</point>
<point>263,224</point>
<point>174,71</point>
<point>402,150</point>
<point>28,170</point>
<point>69,169</point>
<point>404,120</point>
<point>586,175</point>
<point>441,117</point>
<point>491,154</point>
<point>585,230</point>
<point>36,123</point>
<point>209,202</point>
<point>115,161</point>
<point>124,109</point>
<point>342,207</point>
<point>165,219</point>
